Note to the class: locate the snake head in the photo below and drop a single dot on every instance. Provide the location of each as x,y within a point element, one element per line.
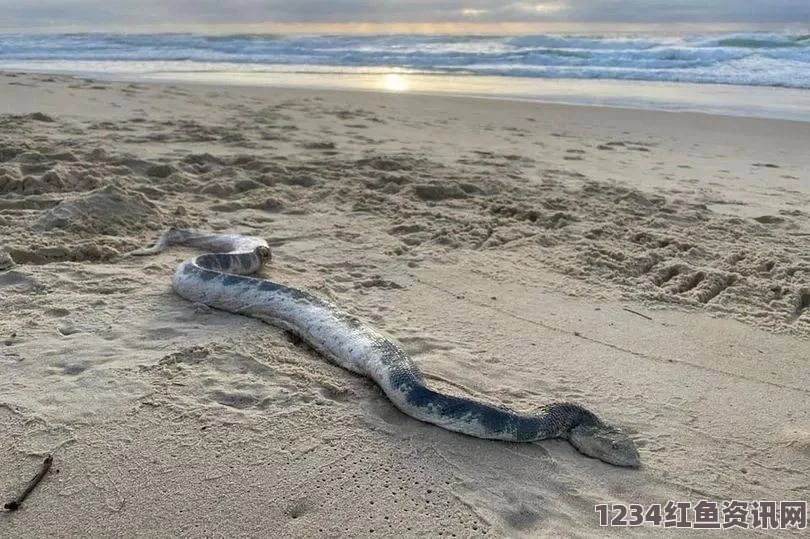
<point>605,443</point>
<point>264,253</point>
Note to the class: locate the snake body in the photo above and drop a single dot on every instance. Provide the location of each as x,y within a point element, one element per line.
<point>221,279</point>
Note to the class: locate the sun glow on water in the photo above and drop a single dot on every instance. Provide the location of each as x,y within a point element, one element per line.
<point>395,83</point>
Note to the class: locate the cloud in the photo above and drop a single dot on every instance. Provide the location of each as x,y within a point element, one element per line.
<point>90,13</point>
<point>688,11</point>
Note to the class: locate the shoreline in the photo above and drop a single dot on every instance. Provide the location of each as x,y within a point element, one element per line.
<point>714,99</point>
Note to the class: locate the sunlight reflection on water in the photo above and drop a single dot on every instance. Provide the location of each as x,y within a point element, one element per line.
<point>395,83</point>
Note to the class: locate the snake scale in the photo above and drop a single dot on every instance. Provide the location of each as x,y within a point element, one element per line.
<point>220,279</point>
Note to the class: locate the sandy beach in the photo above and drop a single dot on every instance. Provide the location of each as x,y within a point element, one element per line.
<point>652,266</point>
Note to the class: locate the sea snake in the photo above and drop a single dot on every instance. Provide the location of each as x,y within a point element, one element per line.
<point>219,279</point>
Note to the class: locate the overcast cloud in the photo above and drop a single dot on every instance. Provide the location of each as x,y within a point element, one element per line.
<point>90,13</point>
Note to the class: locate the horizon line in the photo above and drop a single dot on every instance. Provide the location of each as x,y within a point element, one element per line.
<point>471,28</point>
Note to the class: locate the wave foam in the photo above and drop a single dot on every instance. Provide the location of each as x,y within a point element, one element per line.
<point>765,59</point>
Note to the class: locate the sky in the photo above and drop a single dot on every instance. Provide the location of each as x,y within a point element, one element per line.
<point>395,15</point>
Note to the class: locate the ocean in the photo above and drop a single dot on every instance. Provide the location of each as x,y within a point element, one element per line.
<point>780,60</point>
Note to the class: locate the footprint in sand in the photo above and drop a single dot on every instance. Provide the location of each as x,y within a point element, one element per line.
<point>318,145</point>
<point>765,165</point>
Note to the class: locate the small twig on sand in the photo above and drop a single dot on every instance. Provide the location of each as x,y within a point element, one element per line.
<point>634,312</point>
<point>15,504</point>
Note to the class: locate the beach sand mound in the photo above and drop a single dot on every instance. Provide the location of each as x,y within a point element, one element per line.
<point>109,210</point>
